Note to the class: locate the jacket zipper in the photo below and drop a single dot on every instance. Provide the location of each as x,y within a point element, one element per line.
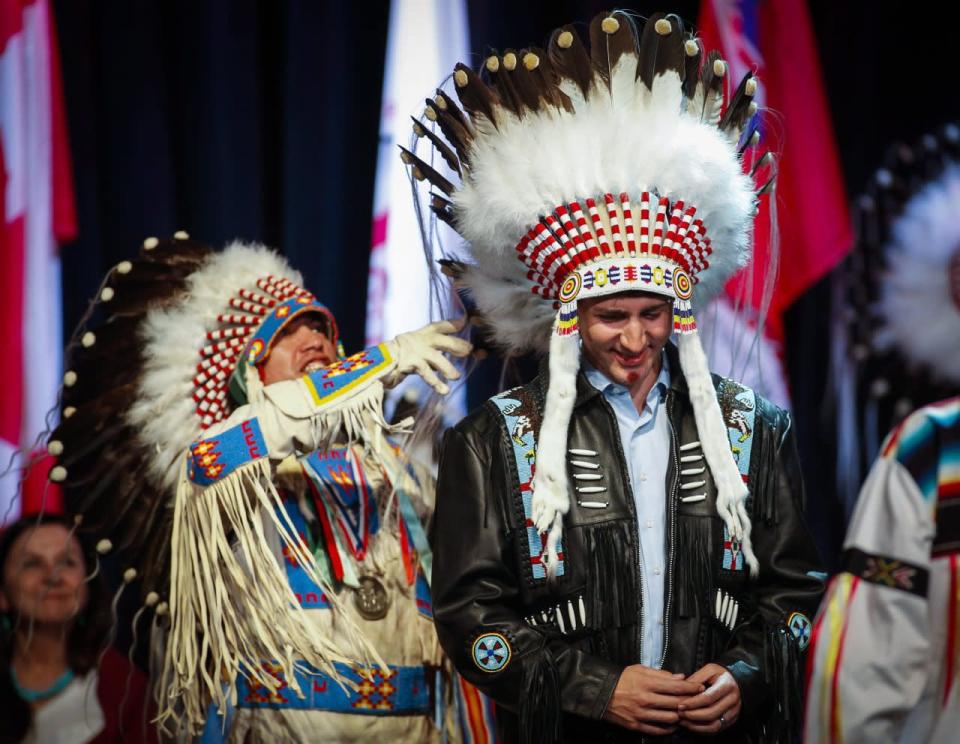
<point>673,529</point>
<point>638,568</point>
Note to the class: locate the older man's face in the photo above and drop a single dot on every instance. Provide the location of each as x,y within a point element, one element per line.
<point>304,345</point>
<point>624,334</point>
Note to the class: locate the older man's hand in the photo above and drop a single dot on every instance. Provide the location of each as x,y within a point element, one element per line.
<point>422,352</point>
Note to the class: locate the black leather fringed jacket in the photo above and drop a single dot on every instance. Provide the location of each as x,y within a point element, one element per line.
<point>550,652</point>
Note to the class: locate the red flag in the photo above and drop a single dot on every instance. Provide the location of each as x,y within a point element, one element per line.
<point>776,40</point>
<point>37,210</point>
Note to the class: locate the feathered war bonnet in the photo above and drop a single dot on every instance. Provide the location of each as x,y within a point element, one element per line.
<point>181,332</point>
<point>588,173</point>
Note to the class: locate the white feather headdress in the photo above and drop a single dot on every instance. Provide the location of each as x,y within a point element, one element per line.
<point>602,171</point>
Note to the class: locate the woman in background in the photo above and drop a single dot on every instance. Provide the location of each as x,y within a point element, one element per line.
<point>53,626</point>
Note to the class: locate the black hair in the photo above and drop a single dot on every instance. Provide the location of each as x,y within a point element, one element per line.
<point>84,641</point>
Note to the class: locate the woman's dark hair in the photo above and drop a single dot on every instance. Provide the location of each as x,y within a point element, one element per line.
<point>84,642</point>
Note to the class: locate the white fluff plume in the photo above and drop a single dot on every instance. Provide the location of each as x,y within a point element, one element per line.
<point>550,487</point>
<point>525,167</point>
<point>731,491</point>
<point>920,316</point>
<point>164,415</point>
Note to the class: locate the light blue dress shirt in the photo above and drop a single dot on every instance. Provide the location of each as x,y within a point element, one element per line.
<point>645,437</point>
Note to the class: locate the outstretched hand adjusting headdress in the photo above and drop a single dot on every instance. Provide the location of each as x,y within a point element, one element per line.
<point>590,173</point>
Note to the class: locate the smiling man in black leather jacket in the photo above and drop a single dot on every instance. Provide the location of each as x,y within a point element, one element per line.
<point>619,546</point>
<point>571,640</point>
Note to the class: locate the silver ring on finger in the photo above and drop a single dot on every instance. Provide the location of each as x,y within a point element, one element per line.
<point>722,721</point>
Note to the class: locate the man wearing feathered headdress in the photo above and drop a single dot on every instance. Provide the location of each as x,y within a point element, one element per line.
<point>237,463</point>
<point>632,561</point>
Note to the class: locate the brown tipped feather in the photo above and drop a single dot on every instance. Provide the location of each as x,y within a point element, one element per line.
<point>453,130</point>
<point>443,208</point>
<point>452,268</point>
<point>476,96</point>
<point>529,84</point>
<point>713,86</point>
<point>545,78</point>
<point>422,170</point>
<point>572,62</point>
<point>606,49</point>
<point>447,104</point>
<point>691,75</point>
<point>649,50</point>
<point>439,145</point>
<point>670,51</point>
<point>503,79</point>
<point>738,109</point>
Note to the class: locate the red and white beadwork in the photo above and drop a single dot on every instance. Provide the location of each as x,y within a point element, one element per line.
<point>224,345</point>
<point>566,241</point>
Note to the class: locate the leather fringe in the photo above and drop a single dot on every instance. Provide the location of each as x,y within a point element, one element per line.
<point>694,567</point>
<point>763,483</point>
<point>613,602</point>
<point>783,671</point>
<point>540,702</point>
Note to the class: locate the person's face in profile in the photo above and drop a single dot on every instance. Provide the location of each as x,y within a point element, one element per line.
<point>303,346</point>
<point>44,575</point>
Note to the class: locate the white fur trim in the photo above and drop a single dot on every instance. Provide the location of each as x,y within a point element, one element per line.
<point>712,430</point>
<point>164,414</point>
<point>551,499</point>
<point>915,302</point>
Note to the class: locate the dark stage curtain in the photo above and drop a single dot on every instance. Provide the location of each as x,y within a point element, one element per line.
<point>228,119</point>
<point>259,120</point>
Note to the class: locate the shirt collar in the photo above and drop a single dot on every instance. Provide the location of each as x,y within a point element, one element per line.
<point>608,387</point>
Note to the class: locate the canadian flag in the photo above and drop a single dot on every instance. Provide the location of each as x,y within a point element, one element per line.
<point>776,41</point>
<point>38,212</point>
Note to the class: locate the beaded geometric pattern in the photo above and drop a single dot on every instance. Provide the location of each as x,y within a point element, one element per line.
<point>563,241</point>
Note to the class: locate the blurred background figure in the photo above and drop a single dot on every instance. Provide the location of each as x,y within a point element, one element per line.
<point>56,685</point>
<point>884,663</point>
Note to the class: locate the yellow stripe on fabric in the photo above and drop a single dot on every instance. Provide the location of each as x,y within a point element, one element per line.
<point>320,399</point>
<point>836,611</point>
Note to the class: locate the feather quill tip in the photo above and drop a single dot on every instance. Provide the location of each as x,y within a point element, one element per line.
<point>69,411</point>
<point>719,67</point>
<point>691,48</point>
<point>69,378</point>
<point>565,40</point>
<point>181,235</point>
<point>663,27</point>
<point>129,575</point>
<point>510,61</point>
<point>430,112</point>
<point>460,78</point>
<point>751,87</point>
<point>58,474</point>
<point>55,448</point>
<point>150,243</point>
<point>88,340</point>
<point>107,294</point>
<point>104,547</point>
<point>531,61</point>
<point>493,63</point>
